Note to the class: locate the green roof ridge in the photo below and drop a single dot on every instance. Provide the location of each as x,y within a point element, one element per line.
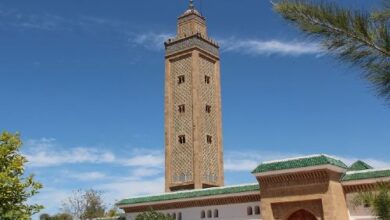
<point>299,162</point>
<point>198,193</point>
<point>366,174</point>
<point>359,165</point>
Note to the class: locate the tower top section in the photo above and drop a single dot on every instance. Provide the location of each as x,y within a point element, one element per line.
<point>191,22</point>
<point>191,30</point>
<point>192,10</point>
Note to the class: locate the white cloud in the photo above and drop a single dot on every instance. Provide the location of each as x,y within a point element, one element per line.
<point>146,172</point>
<point>86,176</point>
<point>51,199</point>
<point>45,152</point>
<point>152,41</point>
<point>269,47</point>
<point>238,165</point>
<point>150,160</point>
<point>122,188</point>
<point>247,161</point>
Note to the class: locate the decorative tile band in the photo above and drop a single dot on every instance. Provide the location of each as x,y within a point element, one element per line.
<point>172,47</point>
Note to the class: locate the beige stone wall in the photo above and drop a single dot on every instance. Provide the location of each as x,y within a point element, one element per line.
<point>190,25</point>
<point>318,192</point>
<point>197,163</point>
<point>182,154</point>
<point>208,124</point>
<point>200,162</point>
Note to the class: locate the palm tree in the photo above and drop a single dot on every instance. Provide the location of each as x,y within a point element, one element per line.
<point>359,37</point>
<point>378,201</point>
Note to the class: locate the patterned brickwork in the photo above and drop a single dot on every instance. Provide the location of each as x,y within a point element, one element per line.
<point>209,122</point>
<point>193,139</point>
<point>182,154</point>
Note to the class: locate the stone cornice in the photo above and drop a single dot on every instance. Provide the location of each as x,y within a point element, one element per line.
<point>173,46</point>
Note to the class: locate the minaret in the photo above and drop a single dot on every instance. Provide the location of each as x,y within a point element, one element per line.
<point>193,127</point>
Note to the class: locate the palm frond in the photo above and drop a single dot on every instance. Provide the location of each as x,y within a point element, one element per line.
<point>354,36</point>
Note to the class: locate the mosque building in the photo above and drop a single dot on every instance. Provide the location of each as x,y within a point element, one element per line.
<point>316,187</point>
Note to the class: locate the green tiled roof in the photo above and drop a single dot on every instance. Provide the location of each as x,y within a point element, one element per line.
<point>366,174</point>
<point>359,165</point>
<point>315,160</point>
<point>191,194</point>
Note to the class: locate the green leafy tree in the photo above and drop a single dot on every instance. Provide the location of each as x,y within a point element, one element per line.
<point>15,187</point>
<point>61,216</point>
<point>44,217</point>
<point>378,201</point>
<point>113,212</point>
<point>84,204</point>
<point>359,37</point>
<point>94,206</point>
<point>153,215</point>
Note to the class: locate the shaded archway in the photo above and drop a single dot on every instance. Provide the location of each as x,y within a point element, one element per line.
<point>302,215</point>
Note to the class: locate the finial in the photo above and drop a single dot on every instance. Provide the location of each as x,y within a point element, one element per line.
<point>191,5</point>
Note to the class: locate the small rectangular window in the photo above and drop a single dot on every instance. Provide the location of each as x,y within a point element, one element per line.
<point>207,79</point>
<point>182,108</point>
<point>216,213</point>
<point>182,139</point>
<point>181,79</point>
<point>209,214</point>
<point>208,108</point>
<point>257,210</point>
<point>209,139</point>
<point>179,216</point>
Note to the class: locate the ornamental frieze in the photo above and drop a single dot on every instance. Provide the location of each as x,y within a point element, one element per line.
<point>194,41</point>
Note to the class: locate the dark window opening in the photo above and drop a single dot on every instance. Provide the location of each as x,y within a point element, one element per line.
<point>249,211</point>
<point>181,79</point>
<point>174,215</point>
<point>216,213</point>
<point>203,214</point>
<point>208,108</point>
<point>179,216</point>
<point>209,139</point>
<point>207,79</point>
<point>209,214</point>
<point>257,210</point>
<point>182,139</point>
<point>182,108</point>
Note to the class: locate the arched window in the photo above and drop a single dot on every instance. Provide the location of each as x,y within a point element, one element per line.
<point>203,214</point>
<point>249,211</point>
<point>209,214</point>
<point>179,216</point>
<point>174,216</point>
<point>216,213</point>
<point>257,210</point>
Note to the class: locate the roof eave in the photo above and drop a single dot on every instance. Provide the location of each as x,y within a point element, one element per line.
<point>122,206</point>
<point>365,181</point>
<point>302,169</point>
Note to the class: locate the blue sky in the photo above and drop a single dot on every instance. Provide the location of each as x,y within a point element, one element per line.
<point>82,81</point>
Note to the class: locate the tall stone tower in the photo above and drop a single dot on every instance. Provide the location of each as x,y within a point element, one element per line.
<point>193,133</point>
